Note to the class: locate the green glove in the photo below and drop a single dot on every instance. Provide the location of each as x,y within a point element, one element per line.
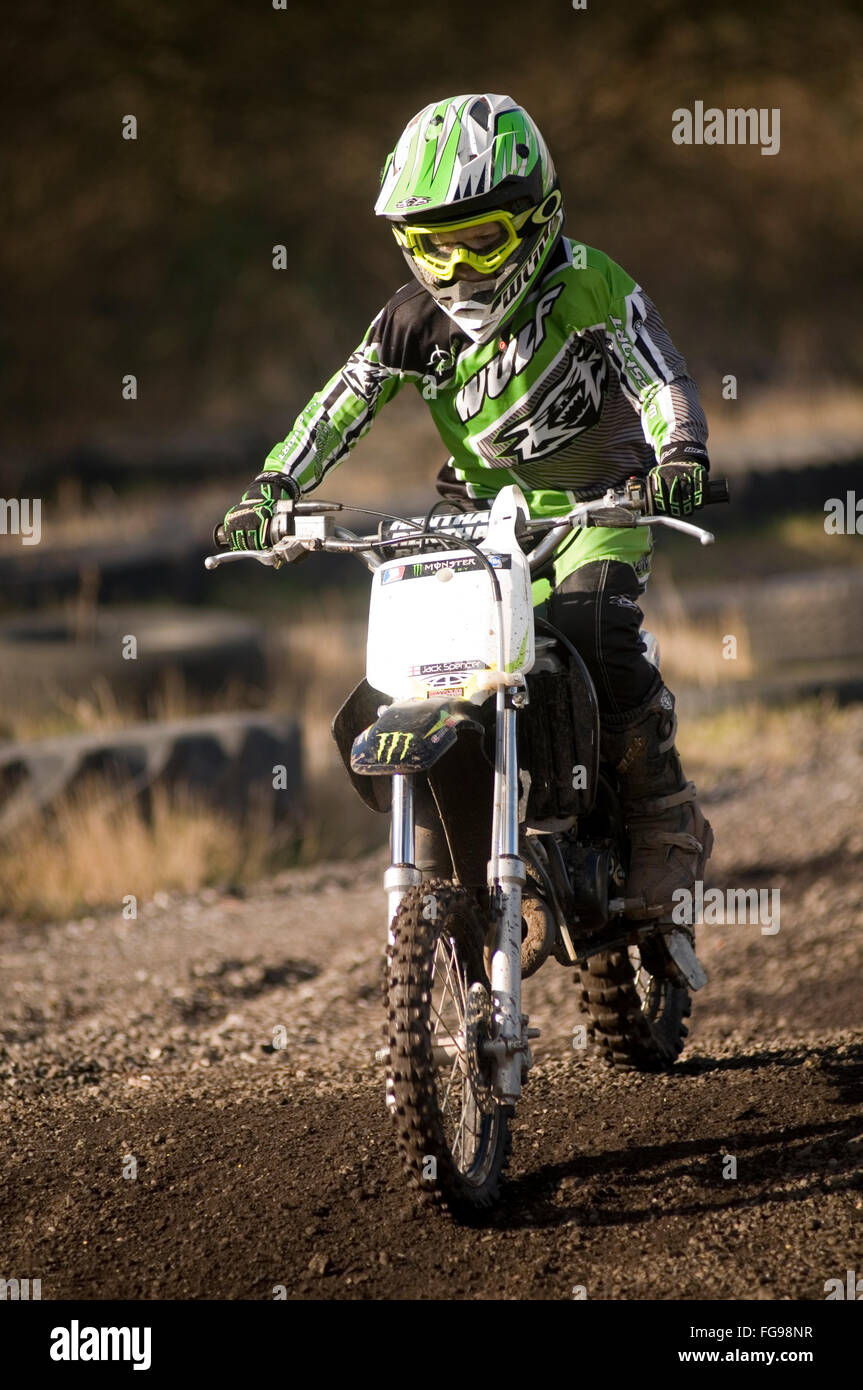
<point>246,524</point>
<point>676,489</point>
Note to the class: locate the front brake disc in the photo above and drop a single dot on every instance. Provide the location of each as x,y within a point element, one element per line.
<point>477,1030</point>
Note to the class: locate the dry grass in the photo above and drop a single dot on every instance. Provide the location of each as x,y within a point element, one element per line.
<point>692,652</point>
<point>95,850</point>
<point>759,736</point>
<point>806,538</point>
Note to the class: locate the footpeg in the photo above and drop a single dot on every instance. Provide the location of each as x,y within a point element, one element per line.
<point>687,962</point>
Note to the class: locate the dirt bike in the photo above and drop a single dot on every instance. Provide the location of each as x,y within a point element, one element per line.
<point>477,707</point>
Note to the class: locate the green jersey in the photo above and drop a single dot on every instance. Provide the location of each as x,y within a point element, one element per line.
<point>580,390</point>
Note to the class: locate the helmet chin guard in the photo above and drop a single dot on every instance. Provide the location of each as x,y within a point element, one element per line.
<point>480,307</point>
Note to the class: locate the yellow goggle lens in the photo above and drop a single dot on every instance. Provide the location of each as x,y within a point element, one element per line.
<point>440,249</point>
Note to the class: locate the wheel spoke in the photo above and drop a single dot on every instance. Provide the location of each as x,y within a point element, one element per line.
<point>458,1105</point>
<point>446,1028</point>
<point>452,1076</point>
<point>459,1139</point>
<point>460,997</point>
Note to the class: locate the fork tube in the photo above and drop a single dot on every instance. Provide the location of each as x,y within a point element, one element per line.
<point>506,875</point>
<point>402,836</point>
<point>499,808</point>
<point>509,827</point>
<point>402,873</point>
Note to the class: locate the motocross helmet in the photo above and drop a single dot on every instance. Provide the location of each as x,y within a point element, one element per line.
<point>471,183</point>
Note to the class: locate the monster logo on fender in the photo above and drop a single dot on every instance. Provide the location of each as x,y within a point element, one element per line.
<point>388,746</point>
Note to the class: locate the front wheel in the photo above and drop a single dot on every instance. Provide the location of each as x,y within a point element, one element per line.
<point>452,1134</point>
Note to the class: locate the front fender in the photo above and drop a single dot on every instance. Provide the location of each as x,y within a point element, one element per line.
<point>412,735</point>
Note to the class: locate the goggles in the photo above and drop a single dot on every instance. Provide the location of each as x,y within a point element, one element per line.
<point>485,243</point>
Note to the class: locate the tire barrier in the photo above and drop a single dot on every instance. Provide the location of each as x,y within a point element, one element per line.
<point>53,654</point>
<point>761,491</point>
<point>242,764</point>
<point>141,569</point>
<point>811,619</point>
<point>781,621</point>
<point>223,453</point>
<point>114,571</point>
<point>844,684</point>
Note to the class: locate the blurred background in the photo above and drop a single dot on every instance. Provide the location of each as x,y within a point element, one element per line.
<point>152,258</point>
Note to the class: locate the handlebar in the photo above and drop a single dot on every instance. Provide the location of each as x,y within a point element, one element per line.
<point>301,526</point>
<point>716,491</point>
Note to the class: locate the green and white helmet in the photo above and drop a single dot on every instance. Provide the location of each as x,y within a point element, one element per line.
<point>471,181</point>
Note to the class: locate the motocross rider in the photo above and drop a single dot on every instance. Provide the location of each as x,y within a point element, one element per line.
<point>544,364</point>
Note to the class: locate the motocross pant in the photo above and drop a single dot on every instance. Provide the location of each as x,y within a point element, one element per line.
<point>595,605</point>
<point>598,578</point>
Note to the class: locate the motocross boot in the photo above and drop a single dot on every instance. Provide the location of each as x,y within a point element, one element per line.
<point>670,838</point>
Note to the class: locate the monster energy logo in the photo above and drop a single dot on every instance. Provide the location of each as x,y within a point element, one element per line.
<point>460,564</point>
<point>388,750</point>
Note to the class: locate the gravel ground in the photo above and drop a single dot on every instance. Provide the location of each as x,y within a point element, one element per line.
<point>153,1045</point>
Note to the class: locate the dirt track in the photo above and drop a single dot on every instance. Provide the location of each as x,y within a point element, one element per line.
<point>259,1167</point>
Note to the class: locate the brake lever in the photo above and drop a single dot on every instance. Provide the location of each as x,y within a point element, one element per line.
<point>706,537</point>
<point>226,557</point>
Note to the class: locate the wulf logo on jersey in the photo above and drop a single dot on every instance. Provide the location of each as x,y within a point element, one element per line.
<point>565,401</point>
<point>496,375</point>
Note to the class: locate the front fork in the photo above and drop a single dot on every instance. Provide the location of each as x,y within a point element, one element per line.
<point>402,873</point>
<point>509,1047</point>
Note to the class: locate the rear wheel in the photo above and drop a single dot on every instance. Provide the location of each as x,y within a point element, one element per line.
<point>452,1134</point>
<point>637,1014</point>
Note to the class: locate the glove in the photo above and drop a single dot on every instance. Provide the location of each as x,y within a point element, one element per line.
<point>246,524</point>
<point>677,489</point>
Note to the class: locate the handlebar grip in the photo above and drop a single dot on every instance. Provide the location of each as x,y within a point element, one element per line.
<point>716,491</point>
<point>220,535</point>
